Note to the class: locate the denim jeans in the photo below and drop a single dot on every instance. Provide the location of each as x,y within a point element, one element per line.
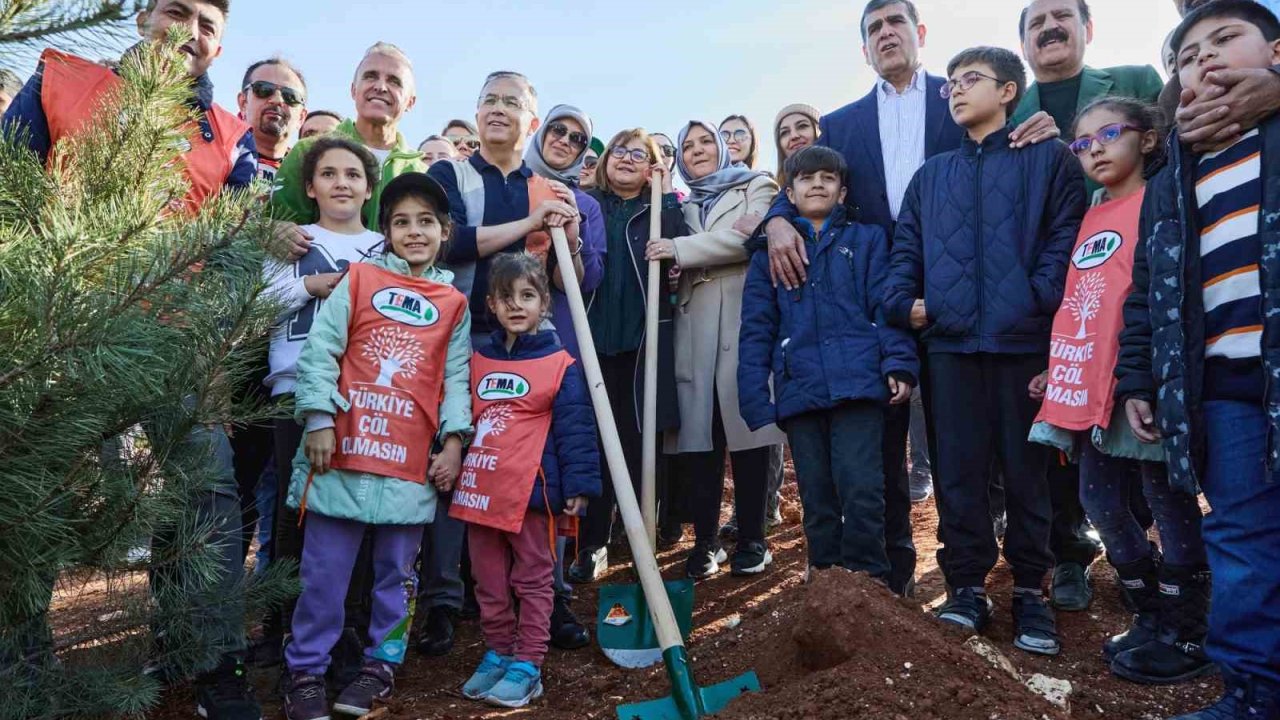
<point>840,473</point>
<point>265,498</point>
<point>1106,493</point>
<point>1242,536</point>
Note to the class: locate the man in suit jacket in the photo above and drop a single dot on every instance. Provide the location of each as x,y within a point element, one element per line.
<point>885,137</point>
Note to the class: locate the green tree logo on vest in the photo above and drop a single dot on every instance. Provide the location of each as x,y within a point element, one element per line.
<point>1096,250</point>
<point>396,352</point>
<point>502,386</point>
<point>405,306</point>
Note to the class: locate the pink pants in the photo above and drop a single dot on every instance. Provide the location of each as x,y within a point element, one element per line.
<point>522,562</point>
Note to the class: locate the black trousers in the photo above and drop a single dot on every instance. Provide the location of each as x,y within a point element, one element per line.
<point>983,413</point>
<point>250,452</point>
<point>898,543</point>
<point>703,476</point>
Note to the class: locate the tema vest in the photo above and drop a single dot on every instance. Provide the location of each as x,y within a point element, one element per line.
<point>73,94</point>
<point>512,405</point>
<point>392,373</point>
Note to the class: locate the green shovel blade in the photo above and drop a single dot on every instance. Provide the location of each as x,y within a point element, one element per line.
<point>688,701</point>
<point>625,630</point>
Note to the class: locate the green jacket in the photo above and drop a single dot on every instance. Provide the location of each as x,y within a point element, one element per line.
<point>290,201</point>
<point>365,497</point>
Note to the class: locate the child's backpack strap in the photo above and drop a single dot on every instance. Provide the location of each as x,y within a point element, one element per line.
<point>471,187</point>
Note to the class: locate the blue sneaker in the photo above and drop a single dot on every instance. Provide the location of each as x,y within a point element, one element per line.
<point>492,669</point>
<point>521,685</point>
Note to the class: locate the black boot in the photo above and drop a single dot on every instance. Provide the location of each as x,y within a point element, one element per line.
<point>1138,583</point>
<point>437,634</point>
<point>566,632</point>
<point>1177,652</point>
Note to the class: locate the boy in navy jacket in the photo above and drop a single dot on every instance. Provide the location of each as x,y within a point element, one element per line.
<point>978,264</point>
<point>833,362</point>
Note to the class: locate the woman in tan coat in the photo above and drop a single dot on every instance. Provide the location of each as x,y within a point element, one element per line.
<point>713,265</point>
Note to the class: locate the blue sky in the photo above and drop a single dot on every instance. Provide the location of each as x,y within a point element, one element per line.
<point>659,68</point>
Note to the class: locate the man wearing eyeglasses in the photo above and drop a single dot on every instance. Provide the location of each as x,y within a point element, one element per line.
<point>272,100</point>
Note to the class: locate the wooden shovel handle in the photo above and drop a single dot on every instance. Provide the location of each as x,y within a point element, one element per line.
<point>649,430</point>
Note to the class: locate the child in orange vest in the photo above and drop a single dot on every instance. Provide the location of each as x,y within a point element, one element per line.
<point>384,372</point>
<point>534,456</point>
<point>1116,139</point>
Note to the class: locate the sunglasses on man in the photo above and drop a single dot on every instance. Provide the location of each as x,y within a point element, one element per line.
<point>471,142</point>
<point>262,90</point>
<point>577,139</point>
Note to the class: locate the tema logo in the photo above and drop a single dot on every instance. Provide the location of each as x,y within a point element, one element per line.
<point>405,306</point>
<point>1096,250</point>
<point>502,386</point>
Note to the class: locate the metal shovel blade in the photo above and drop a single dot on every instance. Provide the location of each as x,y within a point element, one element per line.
<point>625,629</point>
<point>711,700</point>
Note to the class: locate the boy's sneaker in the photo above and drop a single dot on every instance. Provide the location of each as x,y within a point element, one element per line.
<point>967,608</point>
<point>1242,698</point>
<point>566,632</point>
<point>376,682</point>
<point>751,559</point>
<point>589,565</point>
<point>704,560</point>
<point>223,693</point>
<point>1035,629</point>
<point>521,685</point>
<point>305,697</point>
<point>493,667</point>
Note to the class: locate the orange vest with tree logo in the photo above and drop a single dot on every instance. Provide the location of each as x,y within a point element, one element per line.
<point>392,372</point>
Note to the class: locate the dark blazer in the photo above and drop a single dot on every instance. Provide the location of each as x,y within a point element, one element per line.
<point>854,132</point>
<point>1140,82</point>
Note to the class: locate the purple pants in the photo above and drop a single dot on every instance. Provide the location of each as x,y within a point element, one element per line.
<point>328,556</point>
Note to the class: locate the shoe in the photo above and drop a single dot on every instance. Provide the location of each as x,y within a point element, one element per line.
<point>1176,654</point>
<point>968,608</point>
<point>1242,699</point>
<point>921,488</point>
<point>704,560</point>
<point>589,565</point>
<point>1138,587</point>
<point>750,559</point>
<point>773,512</point>
<point>521,685</point>
<point>670,535</point>
<point>305,697</point>
<point>1071,591</point>
<point>375,683</point>
<point>223,693</point>
<point>1035,629</point>
<point>566,632</point>
<point>437,634</point>
<point>493,667</point>
<point>729,531</point>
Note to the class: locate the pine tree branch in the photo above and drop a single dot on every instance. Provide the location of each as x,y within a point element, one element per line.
<point>30,21</point>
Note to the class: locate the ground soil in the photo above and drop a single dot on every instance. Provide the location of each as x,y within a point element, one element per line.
<point>838,647</point>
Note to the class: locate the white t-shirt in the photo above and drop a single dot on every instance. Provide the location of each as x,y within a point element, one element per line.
<point>330,252</point>
<point>380,154</point>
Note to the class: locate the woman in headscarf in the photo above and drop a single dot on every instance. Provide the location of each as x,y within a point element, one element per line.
<point>713,264</point>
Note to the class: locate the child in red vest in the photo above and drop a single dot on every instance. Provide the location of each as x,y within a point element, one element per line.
<point>534,457</point>
<point>1116,140</point>
<point>384,372</point>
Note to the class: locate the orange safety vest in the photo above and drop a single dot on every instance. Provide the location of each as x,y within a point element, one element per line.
<point>392,373</point>
<point>72,95</point>
<point>1086,330</point>
<point>512,407</point>
<point>538,242</point>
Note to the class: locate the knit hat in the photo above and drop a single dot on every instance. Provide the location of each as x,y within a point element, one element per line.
<point>597,146</point>
<point>801,108</point>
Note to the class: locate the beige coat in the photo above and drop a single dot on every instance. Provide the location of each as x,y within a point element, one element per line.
<point>714,264</point>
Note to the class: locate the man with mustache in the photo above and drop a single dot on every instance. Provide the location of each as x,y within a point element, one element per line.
<point>273,100</point>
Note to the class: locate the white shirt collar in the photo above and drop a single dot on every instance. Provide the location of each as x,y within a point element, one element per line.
<point>885,89</point>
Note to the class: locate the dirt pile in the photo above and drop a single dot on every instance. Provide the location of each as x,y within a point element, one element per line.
<point>853,650</point>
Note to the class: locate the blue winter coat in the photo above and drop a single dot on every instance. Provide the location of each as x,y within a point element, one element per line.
<point>826,342</point>
<point>570,458</point>
<point>983,236</point>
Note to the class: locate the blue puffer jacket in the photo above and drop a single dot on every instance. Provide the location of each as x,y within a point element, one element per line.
<point>571,458</point>
<point>983,236</point>
<point>826,342</point>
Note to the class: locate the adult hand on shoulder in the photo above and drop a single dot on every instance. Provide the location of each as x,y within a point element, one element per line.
<point>1038,385</point>
<point>899,392</point>
<point>1141,420</point>
<point>293,241</point>
<point>1035,129</point>
<point>319,447</point>
<point>787,257</point>
<point>748,224</point>
<point>1235,101</point>
<point>322,284</point>
<point>919,315</point>
<point>576,506</point>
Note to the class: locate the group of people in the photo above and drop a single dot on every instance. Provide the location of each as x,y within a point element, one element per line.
<point>1074,300</point>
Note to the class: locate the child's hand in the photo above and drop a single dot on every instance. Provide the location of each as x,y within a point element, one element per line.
<point>319,448</point>
<point>321,285</point>
<point>899,391</point>
<point>1038,385</point>
<point>1141,420</point>
<point>919,316</point>
<point>576,506</point>
<point>446,466</point>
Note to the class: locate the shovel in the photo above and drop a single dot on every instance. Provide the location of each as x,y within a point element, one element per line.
<point>687,701</point>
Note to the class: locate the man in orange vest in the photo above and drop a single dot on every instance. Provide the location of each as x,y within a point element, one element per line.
<point>59,101</point>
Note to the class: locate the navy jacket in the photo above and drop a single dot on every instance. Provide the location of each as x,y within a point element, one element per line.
<point>984,236</point>
<point>570,459</point>
<point>854,132</point>
<point>1162,345</point>
<point>826,342</point>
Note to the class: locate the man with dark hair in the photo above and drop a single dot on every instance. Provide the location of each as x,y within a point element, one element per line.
<point>463,135</point>
<point>10,85</point>
<point>272,99</point>
<point>319,122</point>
